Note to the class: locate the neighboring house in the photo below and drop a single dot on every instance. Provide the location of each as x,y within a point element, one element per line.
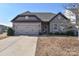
<point>30,23</point>
<point>2,28</point>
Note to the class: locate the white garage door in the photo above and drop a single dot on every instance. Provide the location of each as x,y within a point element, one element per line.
<point>31,29</point>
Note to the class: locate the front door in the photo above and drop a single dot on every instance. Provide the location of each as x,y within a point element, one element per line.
<point>45,27</point>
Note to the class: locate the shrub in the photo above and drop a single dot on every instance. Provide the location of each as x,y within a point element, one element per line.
<point>40,33</point>
<point>56,33</point>
<point>10,32</point>
<point>76,33</point>
<point>70,33</point>
<point>50,33</point>
<point>62,33</point>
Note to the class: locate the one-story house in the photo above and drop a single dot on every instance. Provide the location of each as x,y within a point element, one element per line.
<point>3,28</point>
<point>33,23</point>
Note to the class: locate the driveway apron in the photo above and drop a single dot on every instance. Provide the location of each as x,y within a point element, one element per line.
<point>18,46</point>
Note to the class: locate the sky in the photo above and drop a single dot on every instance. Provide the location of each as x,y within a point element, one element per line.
<point>10,10</point>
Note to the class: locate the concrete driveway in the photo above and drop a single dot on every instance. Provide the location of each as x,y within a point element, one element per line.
<point>18,46</point>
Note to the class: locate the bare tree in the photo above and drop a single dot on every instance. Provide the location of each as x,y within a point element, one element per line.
<point>74,7</point>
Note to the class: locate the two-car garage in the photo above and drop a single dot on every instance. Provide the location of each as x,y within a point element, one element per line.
<point>27,28</point>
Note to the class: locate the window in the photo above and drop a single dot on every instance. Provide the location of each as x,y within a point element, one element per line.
<point>26,17</point>
<point>55,26</point>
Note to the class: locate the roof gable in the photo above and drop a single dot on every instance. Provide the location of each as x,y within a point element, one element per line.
<point>21,18</point>
<point>58,15</point>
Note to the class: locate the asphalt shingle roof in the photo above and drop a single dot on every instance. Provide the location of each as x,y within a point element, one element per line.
<point>44,16</point>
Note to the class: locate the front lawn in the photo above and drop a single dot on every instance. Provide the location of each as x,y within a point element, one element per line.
<point>57,46</point>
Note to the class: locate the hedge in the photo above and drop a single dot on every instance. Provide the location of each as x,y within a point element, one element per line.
<point>68,33</point>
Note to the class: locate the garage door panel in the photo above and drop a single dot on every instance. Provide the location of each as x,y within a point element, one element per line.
<point>28,29</point>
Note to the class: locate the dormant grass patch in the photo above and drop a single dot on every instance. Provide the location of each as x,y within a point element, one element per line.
<point>2,36</point>
<point>57,46</point>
